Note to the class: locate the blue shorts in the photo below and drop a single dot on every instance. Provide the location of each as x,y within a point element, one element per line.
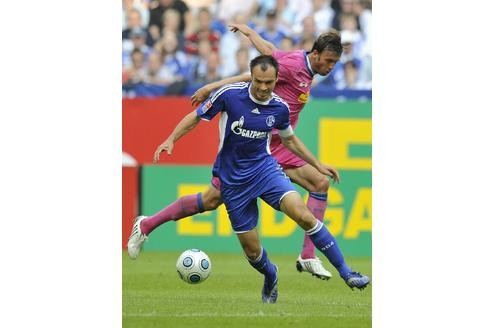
<point>241,203</point>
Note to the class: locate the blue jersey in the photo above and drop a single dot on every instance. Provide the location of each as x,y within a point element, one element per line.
<point>245,132</point>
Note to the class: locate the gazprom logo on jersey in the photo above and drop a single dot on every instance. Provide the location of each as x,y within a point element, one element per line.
<point>236,127</point>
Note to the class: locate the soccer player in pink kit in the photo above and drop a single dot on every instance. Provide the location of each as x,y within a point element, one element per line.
<point>297,69</point>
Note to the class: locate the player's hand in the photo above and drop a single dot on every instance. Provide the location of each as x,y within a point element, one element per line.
<point>200,95</point>
<point>167,146</point>
<point>329,171</point>
<point>243,28</point>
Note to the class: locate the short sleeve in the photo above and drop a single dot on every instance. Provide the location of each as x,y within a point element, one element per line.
<point>284,121</point>
<point>284,127</point>
<point>212,106</point>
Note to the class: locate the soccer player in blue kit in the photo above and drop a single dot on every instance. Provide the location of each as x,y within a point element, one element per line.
<point>249,112</point>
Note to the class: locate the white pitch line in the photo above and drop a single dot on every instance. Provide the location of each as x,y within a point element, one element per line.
<point>257,314</point>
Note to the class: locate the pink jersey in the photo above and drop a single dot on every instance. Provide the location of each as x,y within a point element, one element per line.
<point>294,81</point>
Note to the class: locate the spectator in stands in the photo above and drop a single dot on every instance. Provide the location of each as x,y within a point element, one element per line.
<point>175,62</point>
<point>242,60</point>
<point>351,58</point>
<point>287,14</point>
<point>363,10</point>
<point>287,44</point>
<point>156,73</point>
<point>229,43</point>
<point>351,64</point>
<point>349,24</point>
<point>264,6</point>
<point>134,22</point>
<point>228,9</point>
<point>302,9</point>
<point>158,8</point>
<point>196,5</point>
<point>134,74</point>
<point>323,15</point>
<point>200,61</point>
<point>213,69</point>
<point>203,32</point>
<point>137,41</point>
<point>141,6</point>
<point>171,19</point>
<point>347,7</point>
<point>272,31</point>
<point>308,32</point>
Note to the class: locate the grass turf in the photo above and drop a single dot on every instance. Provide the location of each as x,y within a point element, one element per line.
<point>154,296</point>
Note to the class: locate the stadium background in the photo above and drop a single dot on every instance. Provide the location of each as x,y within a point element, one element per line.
<point>170,48</point>
<point>159,78</point>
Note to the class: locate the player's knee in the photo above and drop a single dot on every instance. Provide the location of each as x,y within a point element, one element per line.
<point>307,220</point>
<point>303,216</point>
<point>252,251</point>
<point>211,200</point>
<point>320,183</point>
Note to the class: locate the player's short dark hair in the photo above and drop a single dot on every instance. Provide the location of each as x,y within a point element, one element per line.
<point>328,41</point>
<point>264,61</point>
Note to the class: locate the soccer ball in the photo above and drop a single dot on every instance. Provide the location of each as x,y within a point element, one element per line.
<point>193,266</point>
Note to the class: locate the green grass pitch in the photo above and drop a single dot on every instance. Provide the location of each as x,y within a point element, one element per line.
<point>154,296</point>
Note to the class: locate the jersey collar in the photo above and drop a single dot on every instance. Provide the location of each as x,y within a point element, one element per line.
<point>308,64</point>
<point>257,101</point>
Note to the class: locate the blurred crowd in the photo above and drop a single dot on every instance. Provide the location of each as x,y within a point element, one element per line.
<point>169,46</point>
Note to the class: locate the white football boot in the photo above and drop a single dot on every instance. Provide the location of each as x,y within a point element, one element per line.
<point>313,266</point>
<point>137,238</point>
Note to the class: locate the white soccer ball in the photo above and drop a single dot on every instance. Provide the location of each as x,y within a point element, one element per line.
<point>193,266</point>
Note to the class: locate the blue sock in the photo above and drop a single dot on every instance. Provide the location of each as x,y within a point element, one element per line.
<point>263,265</point>
<point>327,244</point>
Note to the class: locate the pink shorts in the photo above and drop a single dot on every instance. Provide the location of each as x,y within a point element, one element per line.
<point>284,157</point>
<point>215,182</point>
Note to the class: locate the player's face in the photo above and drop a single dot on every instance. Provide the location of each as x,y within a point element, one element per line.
<point>324,62</point>
<point>263,82</point>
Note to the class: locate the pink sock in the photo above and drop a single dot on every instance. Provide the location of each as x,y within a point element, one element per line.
<point>317,204</point>
<point>181,208</point>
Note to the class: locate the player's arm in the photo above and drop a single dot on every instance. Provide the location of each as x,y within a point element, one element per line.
<point>263,46</point>
<point>185,125</point>
<point>202,93</point>
<point>295,145</point>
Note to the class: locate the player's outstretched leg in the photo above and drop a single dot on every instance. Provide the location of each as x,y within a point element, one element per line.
<point>317,185</point>
<point>307,260</point>
<point>326,243</point>
<point>143,226</point>
<point>183,207</point>
<point>293,206</point>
